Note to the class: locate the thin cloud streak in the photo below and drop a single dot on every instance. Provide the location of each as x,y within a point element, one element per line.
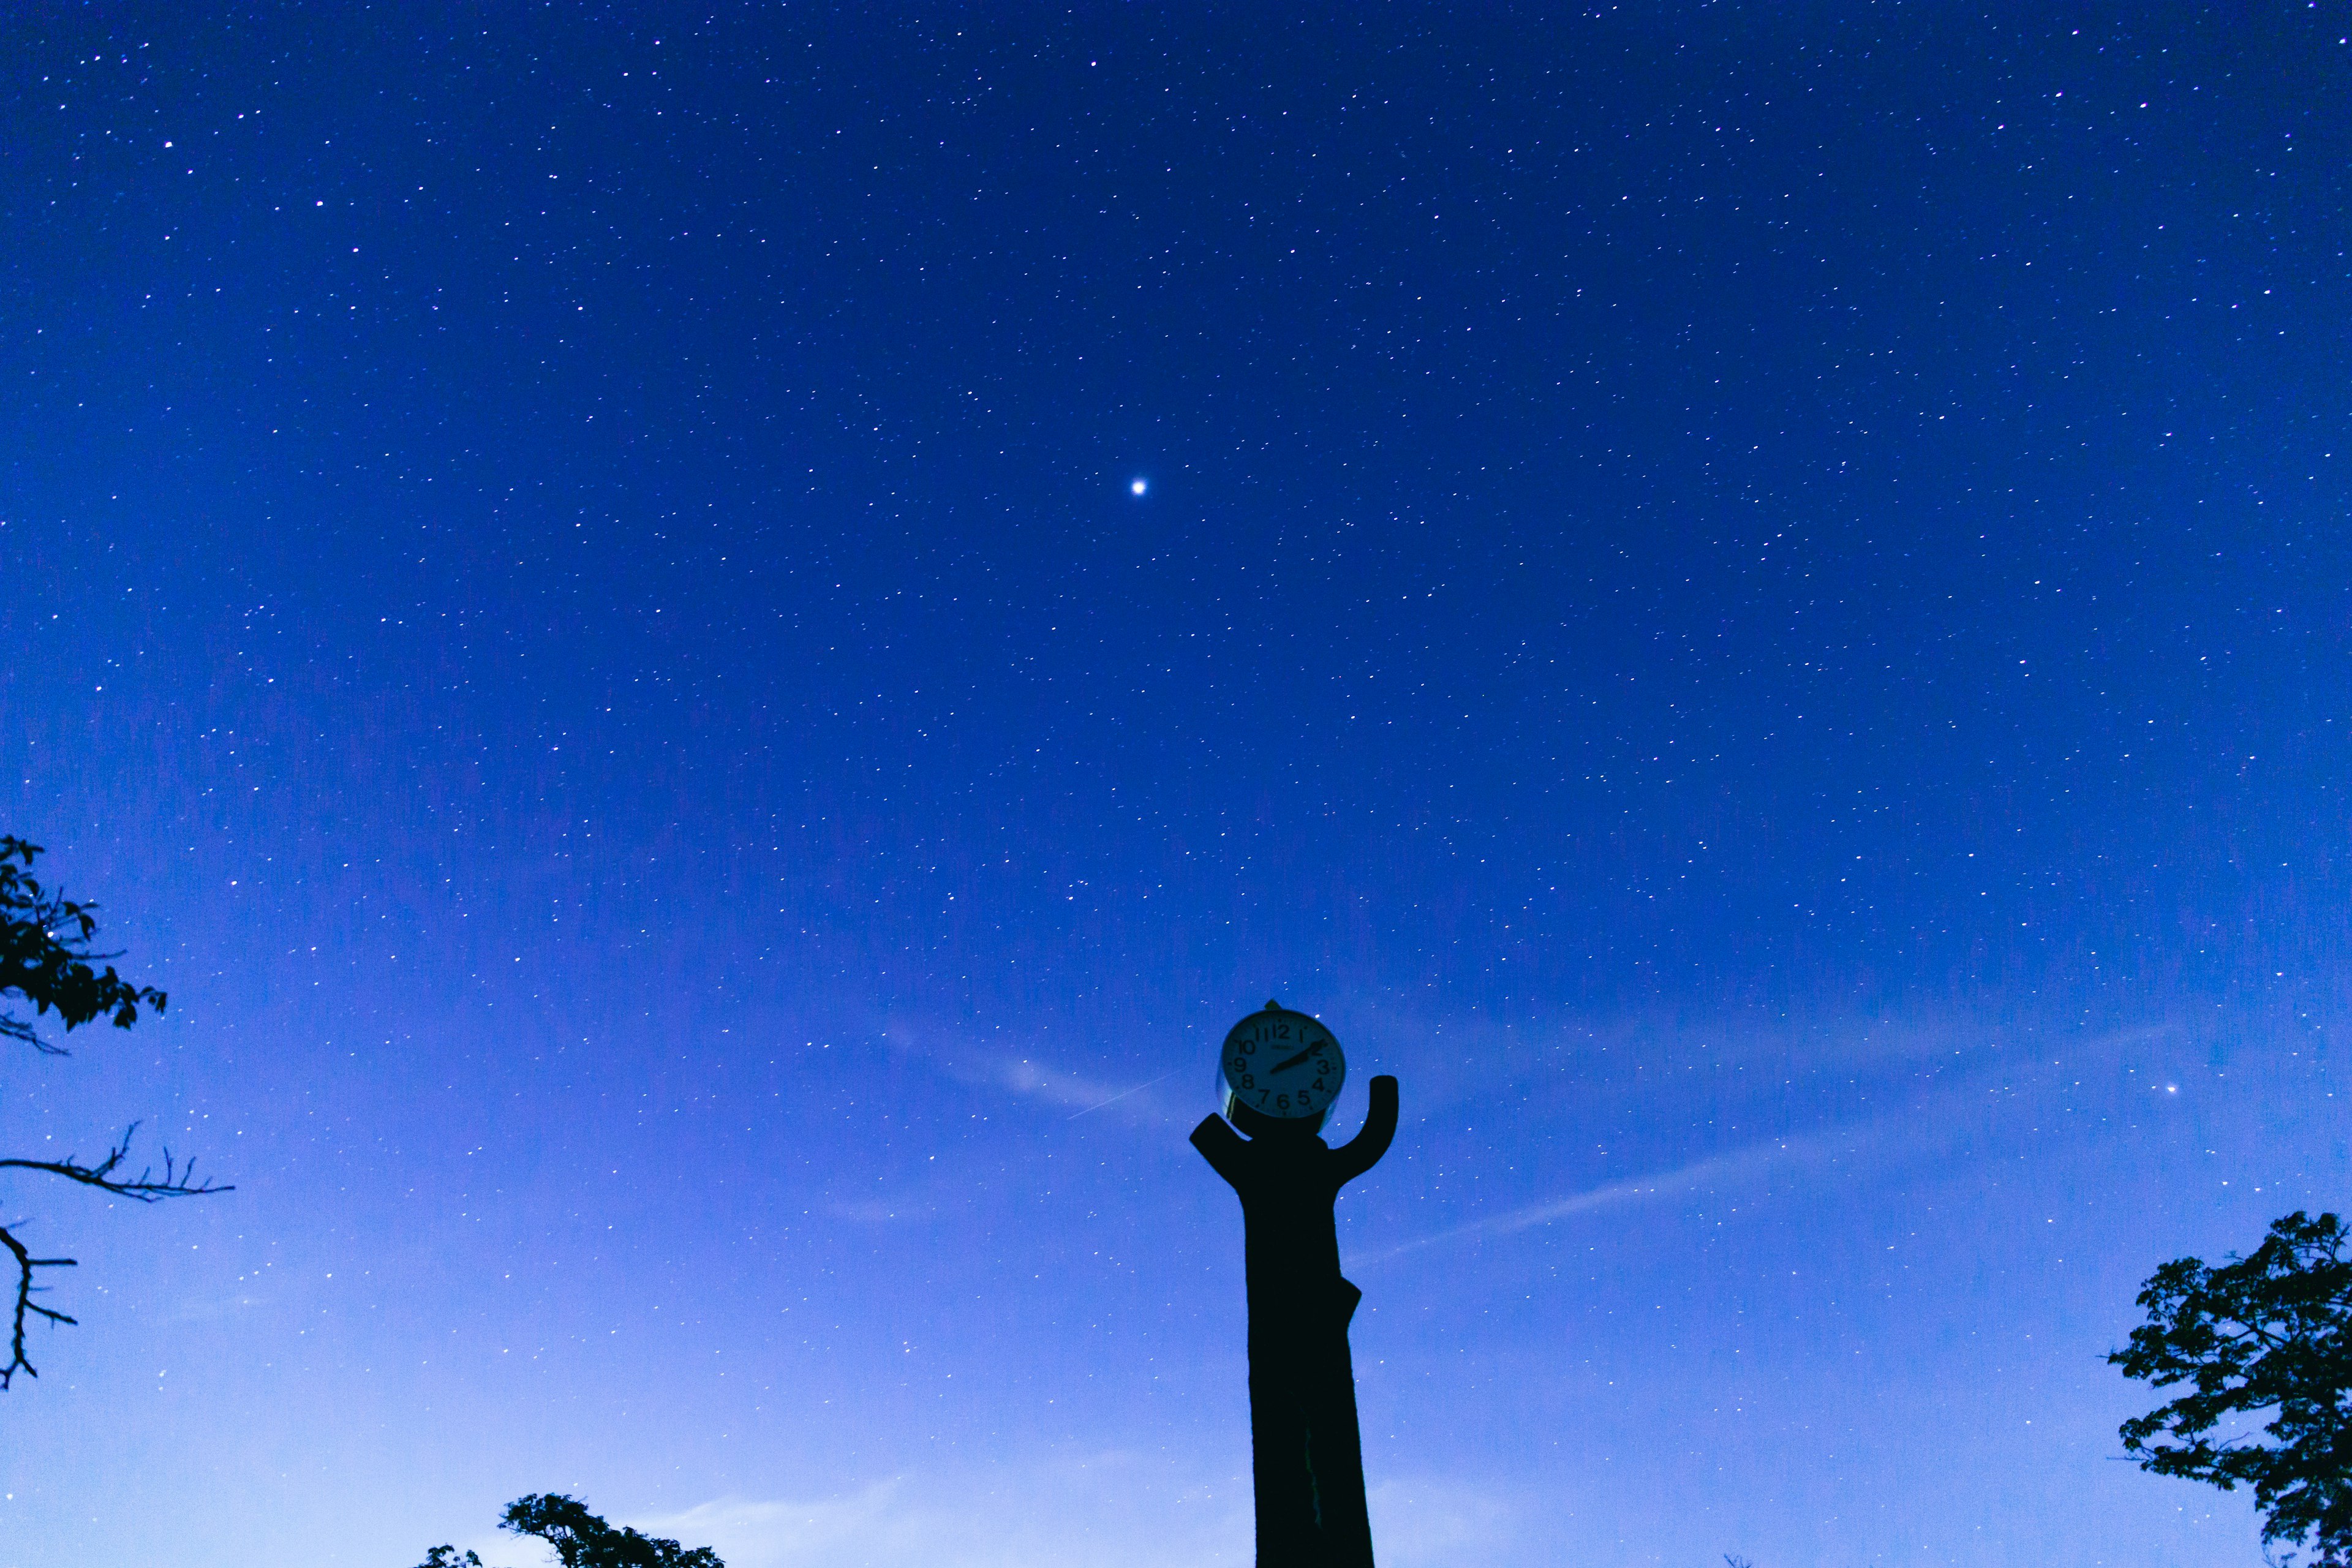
<point>979,1066</point>
<point>1930,1124</point>
<point>1739,1166</point>
<point>1136,1510</point>
<point>1054,1514</point>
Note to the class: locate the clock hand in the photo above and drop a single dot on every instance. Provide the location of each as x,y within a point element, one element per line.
<point>1286,1067</point>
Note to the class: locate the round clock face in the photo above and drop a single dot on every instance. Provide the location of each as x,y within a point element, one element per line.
<point>1282,1064</point>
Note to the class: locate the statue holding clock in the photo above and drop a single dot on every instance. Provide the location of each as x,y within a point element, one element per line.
<point>1279,1072</point>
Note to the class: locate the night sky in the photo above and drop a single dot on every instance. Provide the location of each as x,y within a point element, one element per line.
<point>1753,599</point>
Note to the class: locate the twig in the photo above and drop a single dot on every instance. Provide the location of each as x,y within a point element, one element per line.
<point>177,1181</point>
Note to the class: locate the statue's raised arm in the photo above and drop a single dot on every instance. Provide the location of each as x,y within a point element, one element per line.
<point>1362,1152</point>
<point>1223,1147</point>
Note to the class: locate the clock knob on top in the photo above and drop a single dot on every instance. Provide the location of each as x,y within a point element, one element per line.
<point>1281,1065</point>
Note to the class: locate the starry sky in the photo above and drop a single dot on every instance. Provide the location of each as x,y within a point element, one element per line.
<point>1750,598</point>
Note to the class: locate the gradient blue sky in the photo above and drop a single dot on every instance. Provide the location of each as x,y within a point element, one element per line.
<point>1752,599</point>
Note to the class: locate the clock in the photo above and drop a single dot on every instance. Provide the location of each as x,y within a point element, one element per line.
<point>1282,1064</point>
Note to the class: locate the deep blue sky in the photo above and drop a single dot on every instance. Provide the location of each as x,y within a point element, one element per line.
<point>1753,599</point>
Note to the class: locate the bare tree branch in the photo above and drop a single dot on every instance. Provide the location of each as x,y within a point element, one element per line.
<point>26,1308</point>
<point>177,1181</point>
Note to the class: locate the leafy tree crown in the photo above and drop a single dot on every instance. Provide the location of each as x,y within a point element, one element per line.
<point>45,955</point>
<point>583,1540</point>
<point>2272,1333</point>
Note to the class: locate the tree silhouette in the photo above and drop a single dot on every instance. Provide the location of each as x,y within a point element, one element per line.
<point>2272,1331</point>
<point>581,1539</point>
<point>45,960</point>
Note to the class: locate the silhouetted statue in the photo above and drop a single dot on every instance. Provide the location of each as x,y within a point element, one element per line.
<point>1306,1456</point>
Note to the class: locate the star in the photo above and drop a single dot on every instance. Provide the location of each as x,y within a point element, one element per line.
<point>1138,486</point>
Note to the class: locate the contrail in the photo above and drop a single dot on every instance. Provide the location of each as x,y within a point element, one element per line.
<point>1742,1164</point>
<point>1122,1094</point>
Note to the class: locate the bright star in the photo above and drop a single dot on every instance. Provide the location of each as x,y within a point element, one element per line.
<point>1138,486</point>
